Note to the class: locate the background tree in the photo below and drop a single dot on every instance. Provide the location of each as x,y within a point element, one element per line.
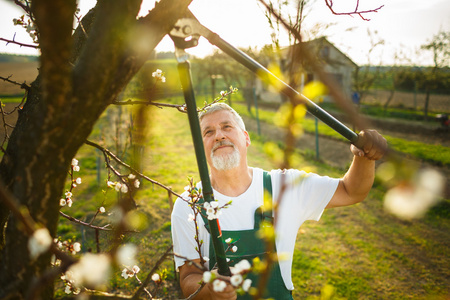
<point>365,76</point>
<point>440,49</point>
<point>62,106</point>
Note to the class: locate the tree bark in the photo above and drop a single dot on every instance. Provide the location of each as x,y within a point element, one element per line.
<point>78,78</point>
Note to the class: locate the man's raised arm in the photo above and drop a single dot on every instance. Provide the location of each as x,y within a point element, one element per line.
<point>357,182</point>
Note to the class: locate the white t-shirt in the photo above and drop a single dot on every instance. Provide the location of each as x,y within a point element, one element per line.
<point>305,198</point>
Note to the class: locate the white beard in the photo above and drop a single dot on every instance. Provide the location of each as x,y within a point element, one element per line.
<point>225,161</point>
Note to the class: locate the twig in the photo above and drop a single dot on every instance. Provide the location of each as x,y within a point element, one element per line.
<point>180,107</point>
<point>153,270</point>
<point>329,4</point>
<point>22,85</point>
<point>13,41</point>
<point>72,219</point>
<point>110,154</point>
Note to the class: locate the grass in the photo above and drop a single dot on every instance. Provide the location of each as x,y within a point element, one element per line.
<point>437,154</point>
<point>357,252</point>
<point>379,111</point>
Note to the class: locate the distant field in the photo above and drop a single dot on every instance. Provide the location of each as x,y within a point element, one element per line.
<point>440,103</point>
<point>18,72</point>
<point>27,72</point>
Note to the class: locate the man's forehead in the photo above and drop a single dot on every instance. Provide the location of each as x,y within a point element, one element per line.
<point>217,117</point>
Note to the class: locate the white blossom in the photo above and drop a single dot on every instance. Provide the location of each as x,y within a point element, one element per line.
<point>62,202</point>
<point>219,285</point>
<point>78,181</point>
<point>137,183</point>
<point>110,183</point>
<point>92,270</point>
<point>76,247</point>
<point>241,266</point>
<point>101,210</point>
<point>228,240</point>
<point>214,204</point>
<point>155,277</point>
<point>135,269</point>
<point>246,284</point>
<point>234,249</point>
<point>236,280</point>
<point>74,162</point>
<point>126,254</point>
<point>131,176</point>
<point>69,202</point>
<point>76,168</point>
<point>413,201</point>
<point>126,274</point>
<point>118,186</point>
<point>68,194</point>
<point>68,290</point>
<point>124,188</point>
<point>207,276</point>
<point>205,258</point>
<point>158,74</point>
<point>39,242</point>
<point>191,218</point>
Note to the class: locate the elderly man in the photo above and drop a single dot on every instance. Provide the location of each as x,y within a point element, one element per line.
<point>304,197</point>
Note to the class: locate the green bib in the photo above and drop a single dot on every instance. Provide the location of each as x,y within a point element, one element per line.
<point>250,246</point>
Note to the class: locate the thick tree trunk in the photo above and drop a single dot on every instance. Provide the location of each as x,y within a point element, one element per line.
<point>62,107</point>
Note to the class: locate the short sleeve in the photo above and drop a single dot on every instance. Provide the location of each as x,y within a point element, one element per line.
<point>183,233</point>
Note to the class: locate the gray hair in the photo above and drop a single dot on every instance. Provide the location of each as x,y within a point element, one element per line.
<point>222,106</point>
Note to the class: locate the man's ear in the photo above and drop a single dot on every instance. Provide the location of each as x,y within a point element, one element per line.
<point>247,138</point>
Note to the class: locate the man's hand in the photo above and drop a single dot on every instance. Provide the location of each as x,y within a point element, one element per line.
<point>229,293</point>
<point>191,276</point>
<point>374,145</point>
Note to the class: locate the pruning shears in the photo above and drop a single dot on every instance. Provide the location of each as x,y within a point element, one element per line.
<point>185,34</point>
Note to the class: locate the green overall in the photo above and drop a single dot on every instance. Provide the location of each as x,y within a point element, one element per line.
<point>250,246</point>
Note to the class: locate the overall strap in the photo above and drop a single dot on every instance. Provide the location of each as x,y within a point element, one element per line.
<point>261,214</point>
<point>267,182</point>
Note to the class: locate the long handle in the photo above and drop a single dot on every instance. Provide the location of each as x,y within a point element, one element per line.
<point>189,96</point>
<point>270,78</point>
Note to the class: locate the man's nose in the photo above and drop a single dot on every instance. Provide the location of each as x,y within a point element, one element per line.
<point>219,135</point>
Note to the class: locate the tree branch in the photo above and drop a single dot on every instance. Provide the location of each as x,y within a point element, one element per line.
<point>110,154</point>
<point>329,4</point>
<point>22,85</point>
<point>13,41</point>
<point>153,270</point>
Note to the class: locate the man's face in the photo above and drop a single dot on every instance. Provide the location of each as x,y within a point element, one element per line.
<point>225,142</point>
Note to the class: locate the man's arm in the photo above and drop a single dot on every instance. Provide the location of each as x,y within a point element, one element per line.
<point>357,182</point>
<point>190,281</point>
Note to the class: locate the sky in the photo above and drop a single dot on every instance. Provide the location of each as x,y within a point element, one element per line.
<point>403,25</point>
